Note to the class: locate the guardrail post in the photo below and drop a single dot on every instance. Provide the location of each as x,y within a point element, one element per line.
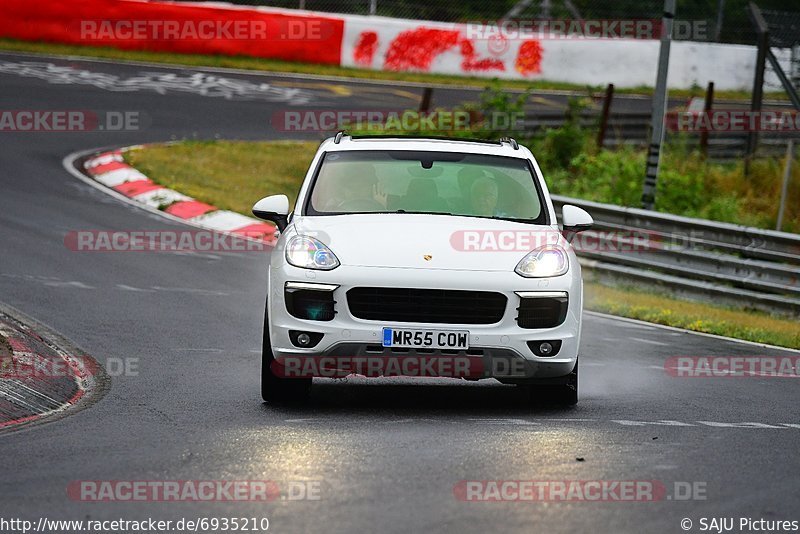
<point>601,135</point>
<point>707,110</point>
<point>720,15</point>
<point>787,174</point>
<point>758,83</point>
<point>659,109</point>
<point>425,103</point>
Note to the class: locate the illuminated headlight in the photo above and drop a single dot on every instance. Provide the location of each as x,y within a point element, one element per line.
<point>308,253</point>
<point>543,262</point>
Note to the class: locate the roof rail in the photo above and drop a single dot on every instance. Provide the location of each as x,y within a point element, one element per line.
<point>511,141</point>
<point>431,137</point>
<point>338,138</point>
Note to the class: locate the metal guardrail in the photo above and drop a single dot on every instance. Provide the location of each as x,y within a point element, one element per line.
<point>707,260</point>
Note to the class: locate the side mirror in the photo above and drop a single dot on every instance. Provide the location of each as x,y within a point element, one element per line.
<point>574,220</point>
<point>274,208</point>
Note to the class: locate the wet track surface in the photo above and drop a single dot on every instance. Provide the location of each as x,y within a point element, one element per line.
<point>386,454</point>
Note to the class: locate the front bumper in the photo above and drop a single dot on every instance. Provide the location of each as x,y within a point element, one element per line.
<point>498,350</point>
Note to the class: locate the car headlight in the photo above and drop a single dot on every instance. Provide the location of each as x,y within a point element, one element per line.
<point>309,253</point>
<point>545,261</point>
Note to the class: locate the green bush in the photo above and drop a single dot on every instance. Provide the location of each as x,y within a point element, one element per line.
<point>558,147</point>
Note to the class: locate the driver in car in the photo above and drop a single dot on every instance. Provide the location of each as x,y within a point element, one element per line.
<point>359,191</point>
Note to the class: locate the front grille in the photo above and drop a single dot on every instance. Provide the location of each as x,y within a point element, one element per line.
<point>542,312</point>
<point>426,305</point>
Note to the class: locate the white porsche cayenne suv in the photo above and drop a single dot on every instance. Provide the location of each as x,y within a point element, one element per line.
<point>422,257</point>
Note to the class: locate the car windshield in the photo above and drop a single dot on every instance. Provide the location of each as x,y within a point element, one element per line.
<point>472,185</point>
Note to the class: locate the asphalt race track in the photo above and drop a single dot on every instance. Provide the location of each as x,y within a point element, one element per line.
<point>386,454</point>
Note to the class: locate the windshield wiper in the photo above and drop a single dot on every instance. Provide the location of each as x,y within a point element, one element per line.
<point>422,212</point>
<point>414,212</point>
<point>513,219</point>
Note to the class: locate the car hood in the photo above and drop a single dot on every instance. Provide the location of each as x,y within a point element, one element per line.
<point>415,241</point>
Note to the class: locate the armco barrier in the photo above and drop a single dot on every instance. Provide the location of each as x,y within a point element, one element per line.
<point>742,240</point>
<point>717,262</point>
<point>278,34</point>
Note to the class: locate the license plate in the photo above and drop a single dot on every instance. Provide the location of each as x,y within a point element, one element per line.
<point>425,339</point>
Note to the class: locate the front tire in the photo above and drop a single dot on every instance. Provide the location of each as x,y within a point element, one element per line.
<point>276,389</point>
<point>561,393</point>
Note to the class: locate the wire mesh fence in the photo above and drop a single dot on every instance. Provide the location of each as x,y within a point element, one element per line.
<point>726,20</point>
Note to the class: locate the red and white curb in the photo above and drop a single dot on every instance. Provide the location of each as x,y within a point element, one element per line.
<point>110,170</point>
<point>38,379</point>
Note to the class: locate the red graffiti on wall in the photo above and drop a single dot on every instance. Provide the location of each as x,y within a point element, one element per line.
<point>472,62</point>
<point>417,49</point>
<point>529,58</point>
<point>365,48</point>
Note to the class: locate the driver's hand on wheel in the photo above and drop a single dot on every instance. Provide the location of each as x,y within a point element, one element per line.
<point>379,194</point>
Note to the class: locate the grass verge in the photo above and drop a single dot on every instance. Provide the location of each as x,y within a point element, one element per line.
<point>273,65</point>
<point>696,316</point>
<point>231,175</point>
<point>234,174</point>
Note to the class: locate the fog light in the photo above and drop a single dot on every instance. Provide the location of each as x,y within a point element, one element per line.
<point>545,348</point>
<point>304,340</point>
